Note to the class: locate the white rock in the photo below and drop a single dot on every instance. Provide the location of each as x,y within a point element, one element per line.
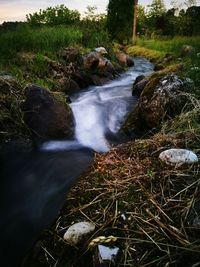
<point>178,156</point>
<point>101,50</point>
<point>77,231</point>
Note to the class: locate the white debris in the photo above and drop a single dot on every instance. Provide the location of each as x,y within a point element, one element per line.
<point>77,231</point>
<point>107,254</point>
<point>195,68</point>
<point>178,156</point>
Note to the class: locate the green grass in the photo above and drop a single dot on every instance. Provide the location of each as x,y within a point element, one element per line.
<point>156,49</point>
<point>170,45</point>
<point>48,39</point>
<point>45,39</point>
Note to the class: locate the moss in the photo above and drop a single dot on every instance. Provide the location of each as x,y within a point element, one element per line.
<point>61,97</point>
<point>157,76</point>
<point>150,87</point>
<point>153,55</point>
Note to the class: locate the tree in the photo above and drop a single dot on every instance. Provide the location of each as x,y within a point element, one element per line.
<point>141,20</point>
<point>54,16</point>
<point>120,19</point>
<point>157,8</point>
<point>155,17</point>
<point>134,21</point>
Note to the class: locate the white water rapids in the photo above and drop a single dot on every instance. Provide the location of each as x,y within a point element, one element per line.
<point>100,110</point>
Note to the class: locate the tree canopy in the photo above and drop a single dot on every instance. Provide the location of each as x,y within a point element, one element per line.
<point>120,19</point>
<point>59,15</point>
<point>159,21</point>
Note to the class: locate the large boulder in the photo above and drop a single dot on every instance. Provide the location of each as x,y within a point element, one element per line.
<point>47,117</point>
<point>68,86</point>
<point>162,98</point>
<point>82,78</point>
<point>124,59</point>
<point>139,85</point>
<point>91,60</point>
<point>70,54</point>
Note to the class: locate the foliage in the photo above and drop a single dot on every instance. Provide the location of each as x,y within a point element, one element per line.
<point>155,49</point>
<point>157,8</point>
<point>94,30</point>
<point>59,15</point>
<point>158,21</point>
<point>141,19</point>
<point>120,19</point>
<point>43,39</point>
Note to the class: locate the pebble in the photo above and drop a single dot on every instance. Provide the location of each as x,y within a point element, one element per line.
<point>178,156</point>
<point>77,231</point>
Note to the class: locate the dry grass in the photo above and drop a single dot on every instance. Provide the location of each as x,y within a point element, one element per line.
<point>151,208</point>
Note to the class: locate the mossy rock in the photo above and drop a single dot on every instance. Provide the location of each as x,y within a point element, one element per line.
<point>164,97</point>
<point>47,116</point>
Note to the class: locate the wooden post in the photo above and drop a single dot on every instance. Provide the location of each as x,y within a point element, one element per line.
<point>134,21</point>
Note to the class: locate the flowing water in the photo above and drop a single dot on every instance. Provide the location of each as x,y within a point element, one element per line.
<point>100,111</point>
<point>34,184</point>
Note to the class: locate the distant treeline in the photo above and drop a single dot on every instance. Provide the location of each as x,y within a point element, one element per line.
<point>118,22</point>
<point>169,22</point>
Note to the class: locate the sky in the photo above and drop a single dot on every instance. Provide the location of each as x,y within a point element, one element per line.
<point>14,10</point>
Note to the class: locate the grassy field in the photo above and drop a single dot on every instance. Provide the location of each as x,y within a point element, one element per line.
<point>170,45</point>
<point>43,41</point>
<point>47,39</point>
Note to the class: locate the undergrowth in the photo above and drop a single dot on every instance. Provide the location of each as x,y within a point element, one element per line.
<point>151,208</point>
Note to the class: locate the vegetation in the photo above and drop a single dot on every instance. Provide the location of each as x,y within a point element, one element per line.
<point>59,15</point>
<point>44,34</point>
<point>39,40</point>
<point>120,19</point>
<point>156,49</point>
<point>150,208</point>
<point>160,203</point>
<point>157,21</point>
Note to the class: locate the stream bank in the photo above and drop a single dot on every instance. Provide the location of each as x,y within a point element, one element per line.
<point>152,209</point>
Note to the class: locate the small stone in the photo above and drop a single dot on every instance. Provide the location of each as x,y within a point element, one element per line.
<point>77,231</point>
<point>106,256</point>
<point>178,156</point>
<point>187,50</point>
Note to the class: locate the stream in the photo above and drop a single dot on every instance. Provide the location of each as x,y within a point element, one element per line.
<point>100,111</point>
<point>34,184</point>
